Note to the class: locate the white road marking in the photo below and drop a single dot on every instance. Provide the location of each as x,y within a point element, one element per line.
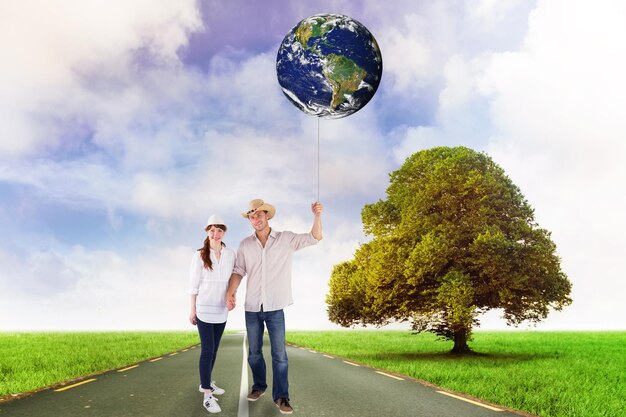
<point>330,357</point>
<point>350,363</point>
<point>469,401</point>
<point>390,376</point>
<point>243,389</point>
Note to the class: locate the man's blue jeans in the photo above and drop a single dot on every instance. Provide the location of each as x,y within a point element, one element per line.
<point>275,322</point>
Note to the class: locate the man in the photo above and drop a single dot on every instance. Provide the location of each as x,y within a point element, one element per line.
<point>266,258</point>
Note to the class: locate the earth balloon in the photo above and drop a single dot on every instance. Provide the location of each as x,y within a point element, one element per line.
<point>329,66</point>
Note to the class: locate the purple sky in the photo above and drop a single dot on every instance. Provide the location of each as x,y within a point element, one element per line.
<point>126,124</point>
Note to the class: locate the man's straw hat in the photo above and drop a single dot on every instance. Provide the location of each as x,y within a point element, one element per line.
<point>259,205</point>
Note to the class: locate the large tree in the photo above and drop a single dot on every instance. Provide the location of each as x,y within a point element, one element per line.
<point>454,239</point>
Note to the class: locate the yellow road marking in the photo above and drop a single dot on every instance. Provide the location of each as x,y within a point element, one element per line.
<point>185,350</point>
<point>330,357</point>
<point>390,376</point>
<point>350,363</point>
<point>469,401</point>
<point>156,359</point>
<point>126,369</point>
<point>172,354</point>
<point>75,385</point>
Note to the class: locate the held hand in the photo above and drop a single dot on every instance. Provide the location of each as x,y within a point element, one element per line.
<point>231,302</point>
<point>317,208</point>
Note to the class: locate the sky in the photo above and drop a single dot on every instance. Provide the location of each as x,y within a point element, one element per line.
<point>125,125</point>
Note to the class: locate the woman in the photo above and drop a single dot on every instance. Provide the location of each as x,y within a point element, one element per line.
<point>210,271</point>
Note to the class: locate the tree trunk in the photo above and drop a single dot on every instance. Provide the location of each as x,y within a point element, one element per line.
<point>460,342</point>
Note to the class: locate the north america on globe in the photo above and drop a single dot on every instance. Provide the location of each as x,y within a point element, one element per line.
<point>329,66</point>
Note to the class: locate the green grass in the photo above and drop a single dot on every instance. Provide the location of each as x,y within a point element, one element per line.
<point>29,361</point>
<point>550,374</point>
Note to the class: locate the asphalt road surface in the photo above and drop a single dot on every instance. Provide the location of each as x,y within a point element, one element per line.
<point>320,385</point>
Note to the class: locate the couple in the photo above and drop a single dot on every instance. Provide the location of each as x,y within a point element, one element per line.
<point>265,258</point>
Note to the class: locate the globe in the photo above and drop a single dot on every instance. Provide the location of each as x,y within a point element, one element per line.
<point>329,66</point>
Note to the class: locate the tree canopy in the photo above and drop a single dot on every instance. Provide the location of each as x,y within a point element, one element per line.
<point>454,238</point>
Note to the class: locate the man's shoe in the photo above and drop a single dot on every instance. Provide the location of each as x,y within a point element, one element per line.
<point>211,405</point>
<point>255,395</point>
<point>284,406</point>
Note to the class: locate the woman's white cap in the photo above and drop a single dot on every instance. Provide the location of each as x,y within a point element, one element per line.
<point>215,219</point>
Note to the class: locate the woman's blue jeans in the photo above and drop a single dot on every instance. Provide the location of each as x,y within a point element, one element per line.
<point>255,325</point>
<point>210,336</point>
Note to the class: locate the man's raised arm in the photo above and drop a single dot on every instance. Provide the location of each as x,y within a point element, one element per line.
<point>317,210</point>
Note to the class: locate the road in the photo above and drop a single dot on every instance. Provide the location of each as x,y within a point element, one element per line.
<point>320,385</point>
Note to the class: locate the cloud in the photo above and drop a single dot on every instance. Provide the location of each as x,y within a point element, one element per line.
<point>62,44</point>
<point>567,82</point>
<point>40,273</point>
<point>103,290</point>
<point>558,105</point>
<point>125,126</point>
<point>552,114</point>
<point>80,289</point>
<point>412,71</point>
<point>487,13</point>
<point>111,112</point>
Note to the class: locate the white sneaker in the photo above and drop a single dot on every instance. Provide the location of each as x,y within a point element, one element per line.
<point>211,405</point>
<point>216,390</point>
<point>213,390</point>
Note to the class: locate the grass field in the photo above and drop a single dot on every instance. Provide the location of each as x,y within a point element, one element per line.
<point>29,361</point>
<point>550,374</point>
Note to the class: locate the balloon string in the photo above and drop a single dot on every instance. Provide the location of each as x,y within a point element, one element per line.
<point>318,159</point>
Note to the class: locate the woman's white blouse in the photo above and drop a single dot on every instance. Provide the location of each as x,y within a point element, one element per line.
<point>210,285</point>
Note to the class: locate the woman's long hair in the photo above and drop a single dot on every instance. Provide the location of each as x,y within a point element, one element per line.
<point>205,251</point>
